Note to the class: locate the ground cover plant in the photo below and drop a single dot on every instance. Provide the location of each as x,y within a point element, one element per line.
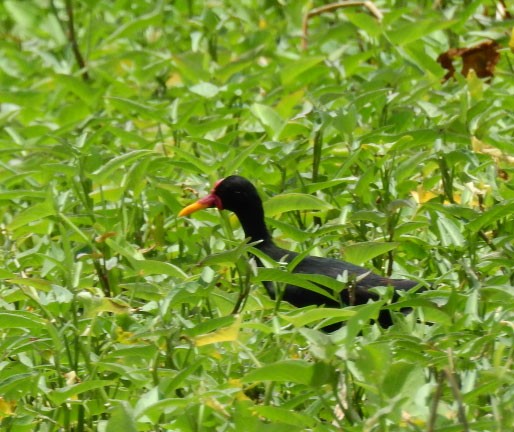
<point>382,136</point>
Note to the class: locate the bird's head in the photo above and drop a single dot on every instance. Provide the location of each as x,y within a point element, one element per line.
<point>234,193</point>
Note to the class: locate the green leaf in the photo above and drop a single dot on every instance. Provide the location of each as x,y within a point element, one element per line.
<point>121,419</point>
<point>362,317</point>
<point>25,15</point>
<point>365,22</point>
<point>303,317</point>
<point>294,202</point>
<point>38,284</point>
<point>228,257</point>
<point>491,216</point>
<point>21,194</point>
<point>124,248</point>
<point>293,70</point>
<point>359,253</point>
<point>284,277</point>
<point>138,23</point>
<point>413,31</point>
<point>32,214</point>
<point>227,333</point>
<point>295,371</point>
<point>20,319</point>
<point>85,92</point>
<point>269,118</point>
<point>450,234</point>
<point>205,89</point>
<point>95,305</point>
<point>61,395</point>
<point>152,267</point>
<point>286,416</point>
<point>107,170</point>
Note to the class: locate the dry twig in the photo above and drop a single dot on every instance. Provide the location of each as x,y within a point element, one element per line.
<point>72,37</point>
<point>332,7</point>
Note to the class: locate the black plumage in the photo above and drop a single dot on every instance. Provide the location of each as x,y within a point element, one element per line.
<point>237,194</point>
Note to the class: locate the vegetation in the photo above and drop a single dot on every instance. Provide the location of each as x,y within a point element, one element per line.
<point>117,315</point>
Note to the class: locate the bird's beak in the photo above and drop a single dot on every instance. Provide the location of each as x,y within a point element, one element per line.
<point>211,200</point>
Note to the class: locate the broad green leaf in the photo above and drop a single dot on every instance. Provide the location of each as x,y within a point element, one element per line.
<point>107,170</point>
<point>129,107</point>
<point>76,85</point>
<point>228,257</point>
<point>302,317</point>
<point>291,71</point>
<point>155,411</point>
<point>399,376</point>
<point>151,267</point>
<point>21,194</point>
<point>211,325</point>
<point>296,371</point>
<point>491,216</point>
<point>198,163</point>
<point>182,375</point>
<point>20,319</point>
<point>359,253</point>
<point>315,187</point>
<point>241,156</point>
<point>6,274</point>
<point>60,395</point>
<point>39,284</point>
<point>205,89</point>
<point>26,15</point>
<point>121,419</point>
<point>450,234</point>
<point>434,315</point>
<point>413,31</point>
<point>269,118</point>
<point>32,214</point>
<point>365,22</point>
<point>362,317</point>
<point>95,305</point>
<point>139,263</point>
<point>284,277</point>
<point>294,202</point>
<point>135,25</point>
<point>139,352</point>
<point>224,334</point>
<point>125,249</point>
<point>282,415</point>
<point>376,217</point>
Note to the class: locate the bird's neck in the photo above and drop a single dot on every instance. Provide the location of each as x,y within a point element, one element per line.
<point>253,225</point>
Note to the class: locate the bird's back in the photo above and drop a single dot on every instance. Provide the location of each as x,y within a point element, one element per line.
<point>360,280</point>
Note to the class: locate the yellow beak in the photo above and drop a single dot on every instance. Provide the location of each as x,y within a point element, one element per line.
<point>191,208</point>
<point>211,200</point>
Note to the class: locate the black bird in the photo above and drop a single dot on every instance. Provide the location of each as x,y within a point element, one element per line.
<point>237,194</point>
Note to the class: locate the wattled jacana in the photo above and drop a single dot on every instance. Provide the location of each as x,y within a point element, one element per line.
<point>237,194</point>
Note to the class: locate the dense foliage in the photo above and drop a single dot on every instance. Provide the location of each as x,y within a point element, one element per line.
<point>117,315</point>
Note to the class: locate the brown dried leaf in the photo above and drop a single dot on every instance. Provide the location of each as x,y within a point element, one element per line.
<point>481,58</point>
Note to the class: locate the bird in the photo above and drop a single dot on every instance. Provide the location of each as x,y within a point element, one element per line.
<point>237,194</point>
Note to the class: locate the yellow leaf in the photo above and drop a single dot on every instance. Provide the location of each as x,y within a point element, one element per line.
<point>475,85</point>
<point>224,334</point>
<point>71,378</point>
<point>511,42</point>
<point>484,148</point>
<point>174,80</point>
<point>422,196</point>
<point>124,337</point>
<point>6,408</point>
